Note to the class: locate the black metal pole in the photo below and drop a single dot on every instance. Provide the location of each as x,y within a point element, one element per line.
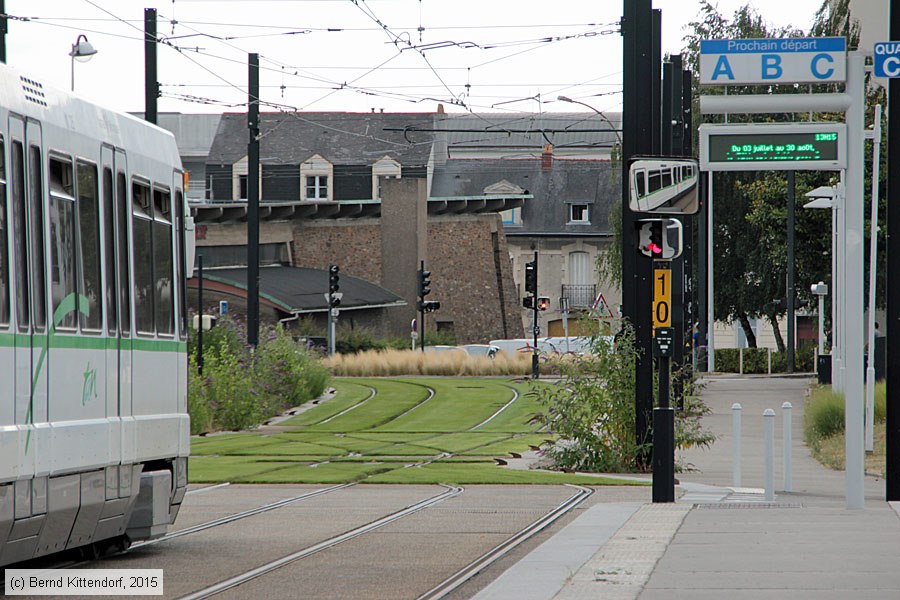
<point>200,314</point>
<point>151,82</point>
<point>422,313</point>
<point>664,435</point>
<point>253,202</point>
<point>535,366</point>
<point>637,272</point>
<point>892,282</point>
<point>791,292</point>
<point>3,30</point>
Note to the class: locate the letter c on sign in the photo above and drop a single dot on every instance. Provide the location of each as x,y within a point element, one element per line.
<point>814,66</point>
<point>892,66</point>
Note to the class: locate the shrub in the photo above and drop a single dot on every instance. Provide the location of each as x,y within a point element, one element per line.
<point>727,360</point>
<point>824,415</point>
<point>242,386</point>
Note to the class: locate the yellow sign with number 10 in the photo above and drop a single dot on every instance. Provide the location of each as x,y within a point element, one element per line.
<point>662,298</point>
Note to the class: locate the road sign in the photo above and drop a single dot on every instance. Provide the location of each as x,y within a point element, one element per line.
<point>600,308</point>
<point>887,59</point>
<point>662,298</point>
<point>766,147</point>
<point>765,61</point>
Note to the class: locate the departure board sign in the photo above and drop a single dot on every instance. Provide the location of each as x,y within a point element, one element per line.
<point>766,147</point>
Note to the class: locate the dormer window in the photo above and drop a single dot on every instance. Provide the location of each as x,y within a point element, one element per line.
<point>317,175</point>
<point>385,167</point>
<point>239,174</point>
<point>317,187</point>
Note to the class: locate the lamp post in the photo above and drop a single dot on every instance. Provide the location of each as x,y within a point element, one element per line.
<point>820,290</point>
<point>829,197</point>
<point>602,115</point>
<point>82,51</point>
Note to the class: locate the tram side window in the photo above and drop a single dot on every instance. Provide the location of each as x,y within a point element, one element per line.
<point>62,241</point>
<point>164,298</point>
<point>122,254</point>
<point>20,239</point>
<point>89,247</point>
<point>654,181</point>
<point>142,225</point>
<point>38,263</point>
<point>109,249</point>
<point>4,258</point>
<point>667,178</point>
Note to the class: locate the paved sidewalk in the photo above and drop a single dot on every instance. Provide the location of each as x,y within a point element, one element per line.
<point>721,542</point>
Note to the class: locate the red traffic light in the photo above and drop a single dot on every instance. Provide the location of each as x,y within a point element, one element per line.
<point>543,303</point>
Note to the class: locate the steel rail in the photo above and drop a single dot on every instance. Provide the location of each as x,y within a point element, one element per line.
<point>241,515</point>
<point>261,570</point>
<point>502,408</point>
<point>372,393</point>
<point>449,585</point>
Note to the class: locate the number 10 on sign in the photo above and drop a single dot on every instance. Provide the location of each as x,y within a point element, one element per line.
<point>662,298</point>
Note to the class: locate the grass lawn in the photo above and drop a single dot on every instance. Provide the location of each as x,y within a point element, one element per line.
<point>831,451</point>
<point>401,434</point>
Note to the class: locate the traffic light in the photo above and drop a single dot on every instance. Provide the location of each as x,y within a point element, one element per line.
<point>528,301</point>
<point>543,303</point>
<point>334,284</point>
<point>660,239</point>
<point>424,282</point>
<point>531,278</point>
<point>428,305</point>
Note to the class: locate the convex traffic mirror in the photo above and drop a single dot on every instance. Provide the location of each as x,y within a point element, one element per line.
<point>664,185</point>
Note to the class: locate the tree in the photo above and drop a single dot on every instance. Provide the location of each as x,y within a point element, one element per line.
<point>749,210</point>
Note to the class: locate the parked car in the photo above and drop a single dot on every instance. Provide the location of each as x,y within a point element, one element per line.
<point>488,350</point>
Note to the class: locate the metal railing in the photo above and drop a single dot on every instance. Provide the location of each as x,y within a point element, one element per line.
<point>580,295</point>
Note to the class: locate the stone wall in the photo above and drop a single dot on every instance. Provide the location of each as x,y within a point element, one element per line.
<point>471,273</point>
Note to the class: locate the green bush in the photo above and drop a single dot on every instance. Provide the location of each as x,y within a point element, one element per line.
<point>727,360</point>
<point>824,415</point>
<point>756,360</point>
<point>242,386</point>
<point>591,409</point>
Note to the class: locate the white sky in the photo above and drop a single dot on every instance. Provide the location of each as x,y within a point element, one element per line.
<point>520,74</point>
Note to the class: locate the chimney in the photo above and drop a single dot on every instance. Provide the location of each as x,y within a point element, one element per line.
<point>440,109</point>
<point>547,157</point>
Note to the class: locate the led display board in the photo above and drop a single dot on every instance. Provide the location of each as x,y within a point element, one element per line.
<point>766,147</point>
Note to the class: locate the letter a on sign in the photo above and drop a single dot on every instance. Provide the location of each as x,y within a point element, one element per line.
<point>722,68</point>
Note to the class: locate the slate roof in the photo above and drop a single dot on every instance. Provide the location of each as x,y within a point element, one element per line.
<point>302,290</point>
<point>341,138</point>
<point>593,182</point>
<point>528,132</point>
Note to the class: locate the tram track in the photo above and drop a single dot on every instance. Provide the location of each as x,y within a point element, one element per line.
<point>455,581</point>
<point>241,515</point>
<point>241,578</point>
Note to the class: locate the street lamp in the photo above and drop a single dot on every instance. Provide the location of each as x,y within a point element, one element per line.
<point>820,290</point>
<point>614,129</point>
<point>827,196</point>
<point>82,51</point>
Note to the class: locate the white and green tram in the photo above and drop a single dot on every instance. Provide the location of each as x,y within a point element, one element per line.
<point>94,431</point>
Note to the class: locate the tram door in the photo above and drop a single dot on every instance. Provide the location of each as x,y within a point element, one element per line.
<point>30,302</point>
<point>110,301</point>
<point>123,283</point>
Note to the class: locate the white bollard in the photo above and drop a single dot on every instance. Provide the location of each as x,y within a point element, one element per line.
<point>787,411</point>
<point>769,441</point>
<point>736,444</point>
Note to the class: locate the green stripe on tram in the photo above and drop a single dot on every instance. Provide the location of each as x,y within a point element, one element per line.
<point>84,342</point>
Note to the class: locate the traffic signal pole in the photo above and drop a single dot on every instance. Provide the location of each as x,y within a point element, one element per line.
<point>637,125</point>
<point>535,330</point>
